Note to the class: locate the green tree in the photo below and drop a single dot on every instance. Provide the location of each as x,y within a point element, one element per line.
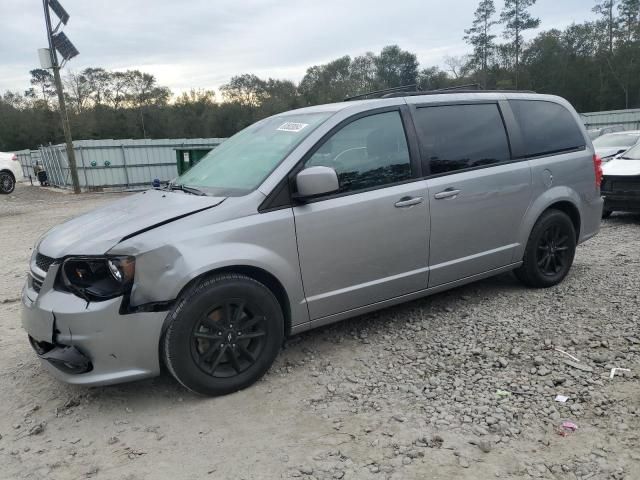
<point>77,91</point>
<point>629,13</point>
<point>480,38</point>
<point>326,83</point>
<point>605,9</point>
<point>396,67</point>
<point>248,90</point>
<point>433,78</point>
<point>362,73</point>
<point>516,19</point>
<point>99,83</point>
<point>42,84</point>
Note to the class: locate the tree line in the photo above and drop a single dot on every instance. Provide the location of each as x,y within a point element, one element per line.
<point>594,64</point>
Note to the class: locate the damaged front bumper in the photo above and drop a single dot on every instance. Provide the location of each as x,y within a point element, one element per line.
<point>89,343</point>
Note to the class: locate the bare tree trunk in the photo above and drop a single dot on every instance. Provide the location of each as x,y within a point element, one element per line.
<point>517,42</point>
<point>611,27</point>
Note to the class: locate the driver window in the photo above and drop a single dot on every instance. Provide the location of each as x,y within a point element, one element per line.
<point>368,152</point>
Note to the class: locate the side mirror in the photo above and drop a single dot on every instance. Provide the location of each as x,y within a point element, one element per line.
<point>315,181</point>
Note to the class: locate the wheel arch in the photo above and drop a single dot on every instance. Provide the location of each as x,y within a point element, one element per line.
<point>259,274</point>
<point>560,198</point>
<point>572,212</point>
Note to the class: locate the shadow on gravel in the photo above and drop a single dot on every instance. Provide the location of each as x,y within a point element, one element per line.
<point>620,218</point>
<point>166,390</point>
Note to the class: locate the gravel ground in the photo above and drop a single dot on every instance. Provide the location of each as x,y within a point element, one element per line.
<point>460,385</point>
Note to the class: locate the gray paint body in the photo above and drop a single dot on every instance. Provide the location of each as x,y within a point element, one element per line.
<point>335,258</point>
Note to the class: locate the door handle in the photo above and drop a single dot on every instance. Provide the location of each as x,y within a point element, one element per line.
<point>408,202</point>
<point>448,193</point>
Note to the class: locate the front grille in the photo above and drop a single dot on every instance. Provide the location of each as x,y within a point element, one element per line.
<point>43,262</point>
<point>621,184</point>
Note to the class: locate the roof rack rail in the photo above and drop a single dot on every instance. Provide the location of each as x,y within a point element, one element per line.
<point>401,89</point>
<point>449,90</point>
<point>413,90</point>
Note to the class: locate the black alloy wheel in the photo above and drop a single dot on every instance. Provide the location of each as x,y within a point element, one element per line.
<point>550,249</point>
<point>7,183</point>
<point>229,339</point>
<point>553,250</point>
<point>223,334</point>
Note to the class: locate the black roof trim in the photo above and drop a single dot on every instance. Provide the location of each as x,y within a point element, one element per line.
<point>413,90</point>
<point>445,92</point>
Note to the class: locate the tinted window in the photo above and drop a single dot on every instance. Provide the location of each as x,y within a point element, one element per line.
<point>455,137</point>
<point>546,127</point>
<point>368,152</point>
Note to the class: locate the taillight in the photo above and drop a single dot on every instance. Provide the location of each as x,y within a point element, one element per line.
<point>597,168</point>
<point>14,158</point>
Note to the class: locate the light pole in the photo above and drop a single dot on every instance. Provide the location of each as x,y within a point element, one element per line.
<point>67,51</point>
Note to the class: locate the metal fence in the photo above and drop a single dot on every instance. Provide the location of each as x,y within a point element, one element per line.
<point>630,119</point>
<point>112,164</point>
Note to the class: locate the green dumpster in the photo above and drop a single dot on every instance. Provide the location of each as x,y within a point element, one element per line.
<point>187,157</point>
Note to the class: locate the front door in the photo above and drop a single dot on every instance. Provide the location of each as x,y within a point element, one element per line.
<point>368,242</point>
<point>478,195</point>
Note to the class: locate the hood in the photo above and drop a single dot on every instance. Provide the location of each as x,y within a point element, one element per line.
<point>621,167</point>
<point>95,232</point>
<point>609,151</point>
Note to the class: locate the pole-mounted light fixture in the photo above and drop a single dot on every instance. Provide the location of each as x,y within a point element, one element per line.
<point>60,42</point>
<point>64,46</point>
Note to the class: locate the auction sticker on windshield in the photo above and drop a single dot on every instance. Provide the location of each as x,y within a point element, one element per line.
<point>292,126</point>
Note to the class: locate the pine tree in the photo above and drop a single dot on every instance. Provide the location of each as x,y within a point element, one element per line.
<point>605,9</point>
<point>517,19</point>
<point>629,11</point>
<point>479,35</point>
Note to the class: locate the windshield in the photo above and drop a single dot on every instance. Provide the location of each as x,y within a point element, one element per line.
<point>241,163</point>
<point>617,140</point>
<point>632,154</point>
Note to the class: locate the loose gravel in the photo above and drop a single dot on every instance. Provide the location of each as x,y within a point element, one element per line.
<point>461,385</point>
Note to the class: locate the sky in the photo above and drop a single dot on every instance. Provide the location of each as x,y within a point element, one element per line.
<point>203,43</point>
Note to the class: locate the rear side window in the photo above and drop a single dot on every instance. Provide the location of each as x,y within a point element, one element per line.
<point>546,127</point>
<point>456,137</point>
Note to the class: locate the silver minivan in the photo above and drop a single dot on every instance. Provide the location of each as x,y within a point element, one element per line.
<point>306,218</point>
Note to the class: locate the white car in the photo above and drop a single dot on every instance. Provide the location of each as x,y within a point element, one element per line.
<point>10,171</point>
<point>612,144</point>
<point>621,183</point>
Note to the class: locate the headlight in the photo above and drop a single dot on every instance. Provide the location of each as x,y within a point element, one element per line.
<point>98,278</point>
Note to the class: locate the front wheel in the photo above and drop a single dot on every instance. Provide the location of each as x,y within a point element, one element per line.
<point>223,335</point>
<point>7,183</point>
<point>550,250</point>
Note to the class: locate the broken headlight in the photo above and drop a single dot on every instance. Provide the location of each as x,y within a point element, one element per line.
<point>98,278</point>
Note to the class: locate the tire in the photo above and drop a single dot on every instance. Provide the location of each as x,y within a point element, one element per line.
<point>550,250</point>
<point>606,213</point>
<point>202,347</point>
<point>7,183</point>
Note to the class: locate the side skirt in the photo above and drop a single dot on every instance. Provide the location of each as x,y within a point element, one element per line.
<point>397,300</point>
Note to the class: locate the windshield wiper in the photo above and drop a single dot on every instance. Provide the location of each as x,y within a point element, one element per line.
<point>186,189</point>
<point>628,158</point>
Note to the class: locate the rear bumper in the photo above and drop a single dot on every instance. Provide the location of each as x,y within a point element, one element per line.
<point>90,343</point>
<point>624,202</point>
<point>621,192</point>
<point>591,217</point>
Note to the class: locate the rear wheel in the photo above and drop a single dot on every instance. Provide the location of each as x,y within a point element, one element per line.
<point>550,250</point>
<point>224,334</point>
<point>7,182</point>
